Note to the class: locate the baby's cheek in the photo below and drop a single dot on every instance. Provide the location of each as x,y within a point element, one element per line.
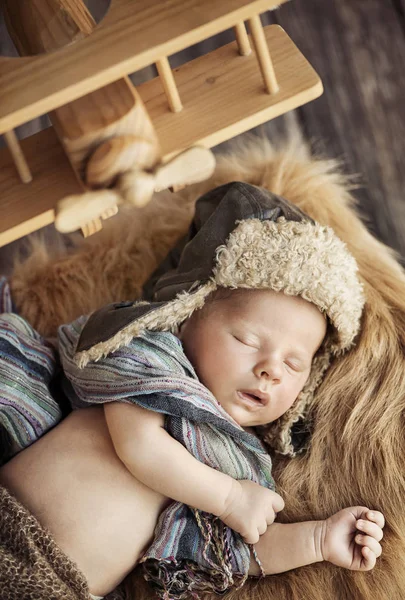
<point>220,371</point>
<point>212,372</point>
<point>291,394</point>
<point>297,385</point>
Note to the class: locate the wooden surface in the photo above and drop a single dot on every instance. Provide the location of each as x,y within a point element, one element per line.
<point>222,83</point>
<point>81,125</point>
<point>45,25</point>
<point>230,88</point>
<point>36,200</point>
<point>358,49</point>
<point>130,37</point>
<point>84,124</point>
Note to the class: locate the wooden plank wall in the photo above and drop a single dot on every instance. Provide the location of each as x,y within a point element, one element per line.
<point>358,48</point>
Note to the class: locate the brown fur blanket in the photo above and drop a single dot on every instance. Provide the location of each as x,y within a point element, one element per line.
<point>358,447</point>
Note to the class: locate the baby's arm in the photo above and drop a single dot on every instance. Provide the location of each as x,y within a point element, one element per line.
<point>164,465</point>
<point>336,539</point>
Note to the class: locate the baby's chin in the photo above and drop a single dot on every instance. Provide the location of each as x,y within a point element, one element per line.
<point>243,422</point>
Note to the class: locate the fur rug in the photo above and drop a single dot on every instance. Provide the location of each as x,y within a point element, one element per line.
<point>358,447</point>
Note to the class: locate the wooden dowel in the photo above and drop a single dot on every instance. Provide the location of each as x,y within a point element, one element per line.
<point>18,156</point>
<point>263,55</point>
<point>242,39</point>
<point>169,84</point>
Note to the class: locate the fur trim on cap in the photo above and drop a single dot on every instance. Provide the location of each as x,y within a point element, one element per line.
<point>296,258</point>
<point>167,318</point>
<point>299,259</point>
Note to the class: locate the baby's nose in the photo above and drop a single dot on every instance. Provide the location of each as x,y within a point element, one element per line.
<point>270,370</point>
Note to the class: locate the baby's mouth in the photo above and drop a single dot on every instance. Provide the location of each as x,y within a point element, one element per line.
<point>254,398</point>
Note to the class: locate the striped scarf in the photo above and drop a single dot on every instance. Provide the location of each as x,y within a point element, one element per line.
<point>28,365</point>
<point>192,551</point>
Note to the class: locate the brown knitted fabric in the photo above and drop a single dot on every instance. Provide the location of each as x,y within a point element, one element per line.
<point>32,567</point>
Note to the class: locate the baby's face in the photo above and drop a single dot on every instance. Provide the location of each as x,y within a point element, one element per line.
<point>254,351</point>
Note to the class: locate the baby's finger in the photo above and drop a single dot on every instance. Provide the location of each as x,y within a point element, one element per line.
<point>369,558</point>
<point>370,543</point>
<point>277,502</point>
<point>251,537</point>
<point>262,528</point>
<point>370,528</point>
<point>377,517</point>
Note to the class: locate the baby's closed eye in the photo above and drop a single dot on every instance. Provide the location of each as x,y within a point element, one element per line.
<point>251,343</point>
<point>295,365</point>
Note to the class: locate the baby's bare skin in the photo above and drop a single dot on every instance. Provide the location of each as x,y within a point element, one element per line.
<point>104,518</point>
<point>74,483</point>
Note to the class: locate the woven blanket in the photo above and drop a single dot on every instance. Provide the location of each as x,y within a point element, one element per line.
<point>28,365</point>
<point>32,566</point>
<point>192,551</point>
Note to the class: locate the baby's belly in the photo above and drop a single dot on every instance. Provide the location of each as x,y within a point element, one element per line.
<point>97,512</point>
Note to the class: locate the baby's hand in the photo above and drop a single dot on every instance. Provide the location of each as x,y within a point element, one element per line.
<point>351,538</point>
<point>251,508</point>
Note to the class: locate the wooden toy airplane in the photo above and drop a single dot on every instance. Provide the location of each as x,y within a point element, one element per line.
<point>111,143</point>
